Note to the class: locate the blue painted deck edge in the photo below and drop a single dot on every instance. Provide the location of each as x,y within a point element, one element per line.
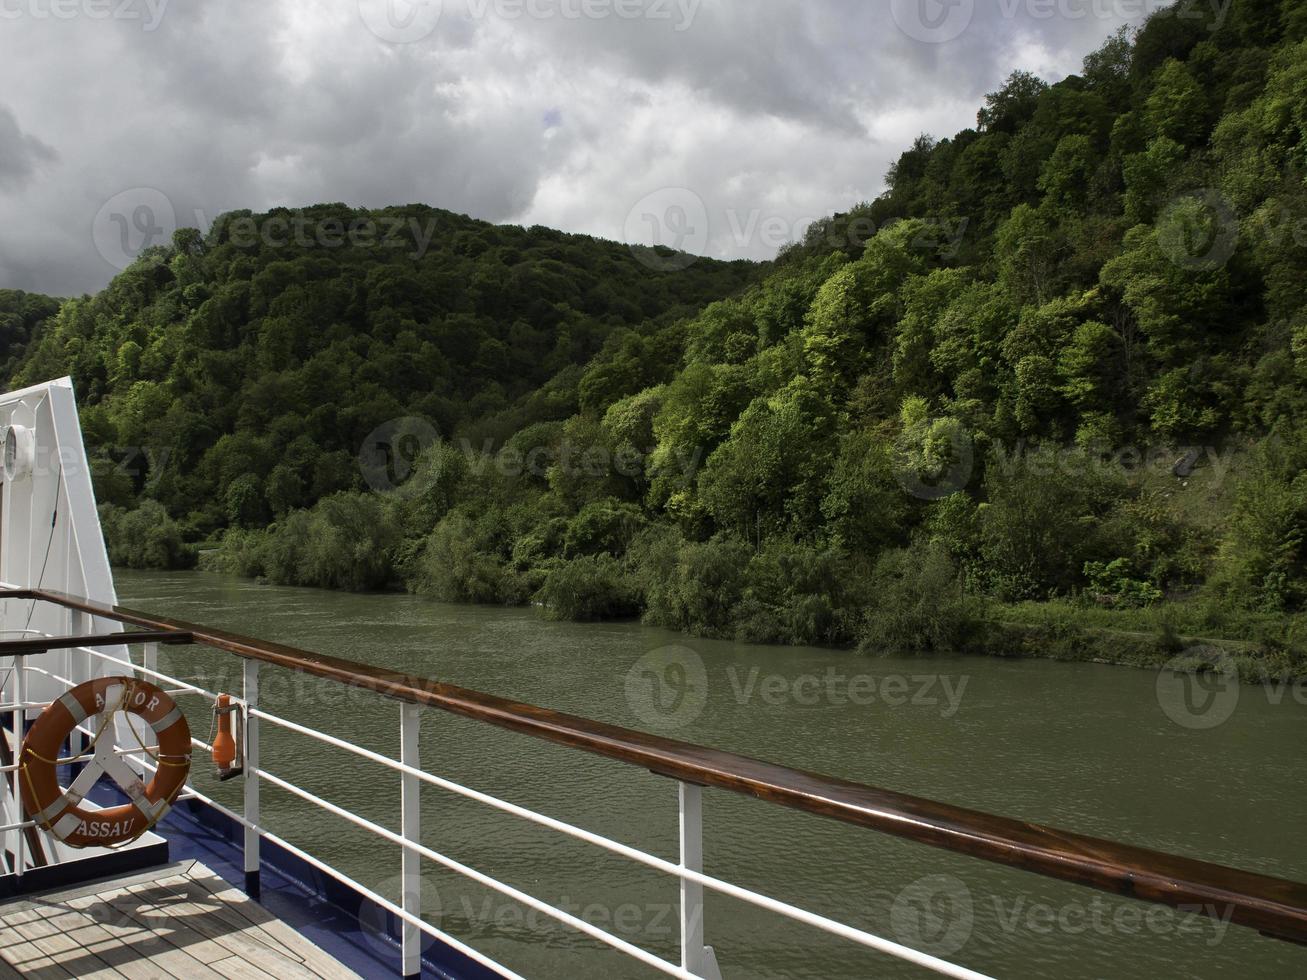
<point>327,912</point>
<point>58,876</point>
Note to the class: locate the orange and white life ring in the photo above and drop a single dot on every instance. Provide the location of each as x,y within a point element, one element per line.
<point>57,810</point>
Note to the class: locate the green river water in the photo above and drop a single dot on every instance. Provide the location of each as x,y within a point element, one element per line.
<point>1108,751</point>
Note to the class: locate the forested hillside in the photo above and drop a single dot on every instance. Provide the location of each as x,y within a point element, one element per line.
<point>232,378</point>
<point>20,315</point>
<point>1062,358</point>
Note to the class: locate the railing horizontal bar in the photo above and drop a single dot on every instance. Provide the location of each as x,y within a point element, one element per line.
<point>184,689</point>
<point>190,688</point>
<point>9,707</point>
<point>385,903</point>
<point>83,728</point>
<point>649,860</point>
<point>643,955</point>
<point>44,644</point>
<point>68,760</point>
<point>1272,905</point>
<point>47,673</point>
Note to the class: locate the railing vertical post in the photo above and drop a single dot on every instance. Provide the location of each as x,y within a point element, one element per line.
<point>410,719</point>
<point>19,716</point>
<point>149,661</point>
<point>696,958</point>
<point>79,665</point>
<point>251,779</point>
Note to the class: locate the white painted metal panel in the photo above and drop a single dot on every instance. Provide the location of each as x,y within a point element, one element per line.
<point>50,533</point>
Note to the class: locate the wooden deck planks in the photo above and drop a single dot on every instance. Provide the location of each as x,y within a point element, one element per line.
<point>237,931</point>
<point>180,922</point>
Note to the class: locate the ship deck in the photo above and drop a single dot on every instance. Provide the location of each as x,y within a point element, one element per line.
<point>181,921</point>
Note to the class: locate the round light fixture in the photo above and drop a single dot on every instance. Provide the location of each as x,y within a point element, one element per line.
<point>19,451</point>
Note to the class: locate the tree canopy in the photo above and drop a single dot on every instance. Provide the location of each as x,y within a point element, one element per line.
<point>971,379</point>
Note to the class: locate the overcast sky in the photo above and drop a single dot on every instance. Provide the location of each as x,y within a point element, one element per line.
<point>619,118</point>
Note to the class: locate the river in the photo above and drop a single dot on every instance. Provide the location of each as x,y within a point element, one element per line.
<point>1107,751</point>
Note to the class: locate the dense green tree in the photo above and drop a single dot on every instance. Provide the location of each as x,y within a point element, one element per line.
<point>791,451</point>
<point>1177,109</point>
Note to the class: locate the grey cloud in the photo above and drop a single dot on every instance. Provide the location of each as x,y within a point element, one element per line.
<point>761,108</point>
<point>20,153</point>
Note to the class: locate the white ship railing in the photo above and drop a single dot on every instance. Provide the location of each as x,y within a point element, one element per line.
<point>1276,907</point>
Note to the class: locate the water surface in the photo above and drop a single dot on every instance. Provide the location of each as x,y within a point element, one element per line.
<point>1083,747</point>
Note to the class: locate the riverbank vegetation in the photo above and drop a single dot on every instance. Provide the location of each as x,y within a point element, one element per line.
<point>1047,393</point>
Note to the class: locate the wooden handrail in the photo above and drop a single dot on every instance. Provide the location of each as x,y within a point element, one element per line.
<point>44,644</point>
<point>1275,906</point>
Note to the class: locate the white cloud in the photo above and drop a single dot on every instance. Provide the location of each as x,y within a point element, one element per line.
<point>771,112</point>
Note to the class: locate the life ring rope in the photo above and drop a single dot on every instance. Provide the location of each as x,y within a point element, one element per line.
<point>57,810</point>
